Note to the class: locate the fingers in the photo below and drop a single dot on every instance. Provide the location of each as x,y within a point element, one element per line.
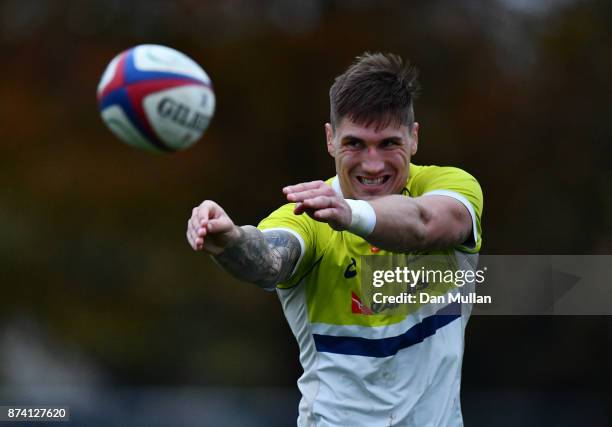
<point>309,197</point>
<point>320,202</point>
<point>194,240</point>
<point>219,225</point>
<point>309,190</point>
<point>198,225</point>
<point>331,209</point>
<point>325,215</point>
<point>302,187</point>
<point>191,233</point>
<point>332,216</point>
<point>210,229</point>
<point>195,234</point>
<point>204,211</point>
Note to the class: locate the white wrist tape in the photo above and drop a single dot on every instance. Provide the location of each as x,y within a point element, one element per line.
<point>363,217</point>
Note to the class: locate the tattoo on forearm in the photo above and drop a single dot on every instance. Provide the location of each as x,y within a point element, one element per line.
<point>261,258</point>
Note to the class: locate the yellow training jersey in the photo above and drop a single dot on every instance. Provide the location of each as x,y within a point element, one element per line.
<point>367,363</point>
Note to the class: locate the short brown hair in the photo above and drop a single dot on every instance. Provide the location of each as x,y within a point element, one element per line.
<point>377,88</point>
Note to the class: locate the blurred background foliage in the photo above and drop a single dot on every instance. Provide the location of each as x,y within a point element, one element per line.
<point>99,285</point>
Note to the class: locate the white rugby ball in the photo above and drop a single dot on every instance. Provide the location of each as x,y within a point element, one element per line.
<point>156,98</point>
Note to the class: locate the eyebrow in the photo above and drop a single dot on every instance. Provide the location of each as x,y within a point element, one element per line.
<point>350,138</point>
<point>393,138</point>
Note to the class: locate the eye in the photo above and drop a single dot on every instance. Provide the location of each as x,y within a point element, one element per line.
<point>390,143</point>
<point>353,143</point>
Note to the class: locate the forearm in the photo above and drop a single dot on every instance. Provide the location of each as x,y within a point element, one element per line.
<point>262,259</point>
<point>406,224</point>
<point>400,224</point>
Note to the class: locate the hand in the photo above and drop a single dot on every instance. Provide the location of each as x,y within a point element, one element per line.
<point>321,203</point>
<point>210,229</point>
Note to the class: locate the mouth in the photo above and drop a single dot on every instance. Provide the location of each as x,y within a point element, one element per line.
<point>373,181</point>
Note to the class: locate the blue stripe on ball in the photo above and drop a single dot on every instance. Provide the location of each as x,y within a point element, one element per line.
<point>120,97</point>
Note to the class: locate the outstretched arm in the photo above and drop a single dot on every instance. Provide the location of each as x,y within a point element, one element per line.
<point>427,222</point>
<point>261,258</point>
<point>245,252</point>
<point>402,223</point>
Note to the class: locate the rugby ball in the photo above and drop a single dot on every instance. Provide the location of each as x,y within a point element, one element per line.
<point>156,98</point>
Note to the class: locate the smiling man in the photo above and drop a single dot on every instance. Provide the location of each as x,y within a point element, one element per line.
<point>364,364</point>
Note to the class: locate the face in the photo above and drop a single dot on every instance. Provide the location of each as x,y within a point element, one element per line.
<point>371,163</point>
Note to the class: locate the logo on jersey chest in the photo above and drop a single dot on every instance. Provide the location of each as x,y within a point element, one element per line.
<point>359,307</point>
<point>351,270</point>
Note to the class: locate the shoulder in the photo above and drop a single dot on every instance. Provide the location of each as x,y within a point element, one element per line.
<point>427,178</point>
<point>453,182</point>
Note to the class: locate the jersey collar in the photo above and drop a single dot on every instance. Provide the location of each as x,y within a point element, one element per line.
<point>336,186</point>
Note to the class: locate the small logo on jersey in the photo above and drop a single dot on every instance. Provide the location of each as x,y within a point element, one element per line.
<point>358,307</point>
<point>351,270</point>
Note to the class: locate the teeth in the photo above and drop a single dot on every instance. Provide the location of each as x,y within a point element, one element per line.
<point>372,181</point>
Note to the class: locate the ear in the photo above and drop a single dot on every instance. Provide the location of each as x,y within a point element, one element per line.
<point>414,136</point>
<point>329,135</point>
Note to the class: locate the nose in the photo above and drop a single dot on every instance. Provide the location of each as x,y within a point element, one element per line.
<point>372,163</point>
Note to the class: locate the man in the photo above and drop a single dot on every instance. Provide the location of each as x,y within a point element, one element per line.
<point>364,364</point>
